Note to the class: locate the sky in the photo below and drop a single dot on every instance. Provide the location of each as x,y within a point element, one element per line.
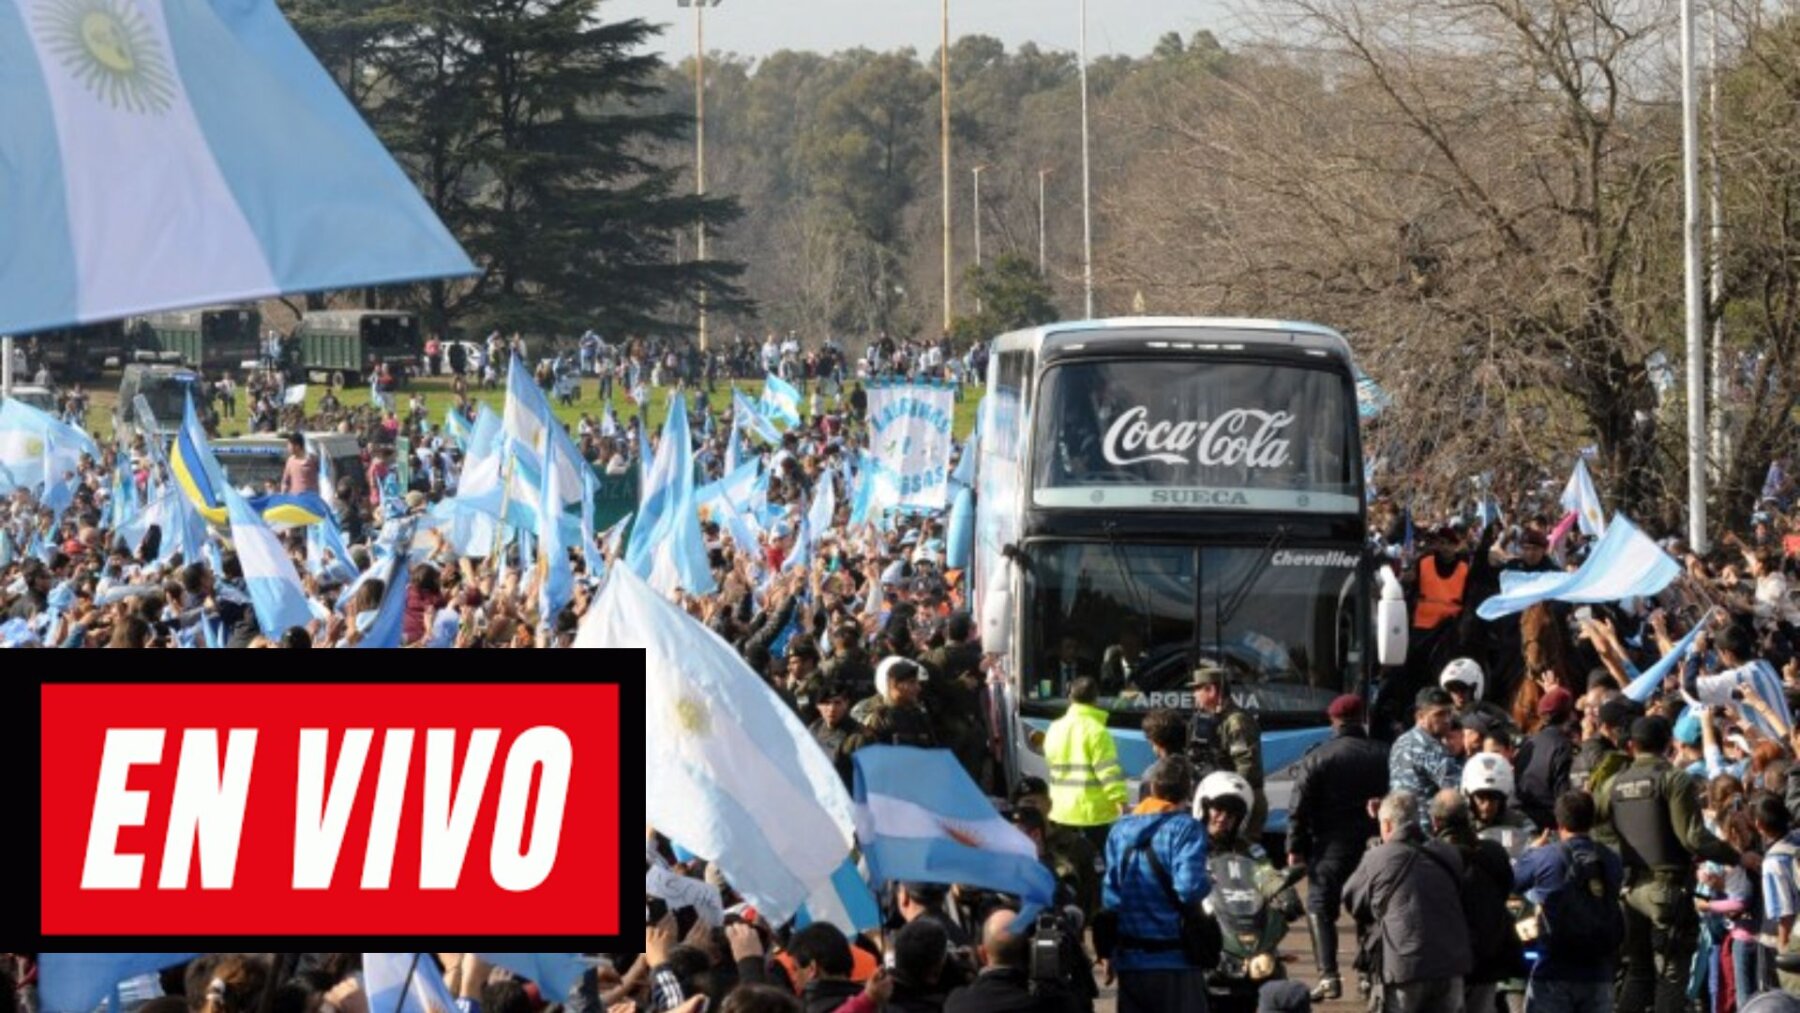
<point>759,27</point>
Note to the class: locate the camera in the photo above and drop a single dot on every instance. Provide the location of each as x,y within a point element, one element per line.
<point>1046,949</point>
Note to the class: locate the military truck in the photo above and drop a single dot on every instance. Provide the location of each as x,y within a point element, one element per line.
<point>344,345</point>
<point>211,339</point>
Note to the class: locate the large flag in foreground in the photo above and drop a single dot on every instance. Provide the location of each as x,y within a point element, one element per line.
<point>732,775</point>
<point>170,153</point>
<point>1625,563</point>
<point>921,819</point>
<point>405,983</point>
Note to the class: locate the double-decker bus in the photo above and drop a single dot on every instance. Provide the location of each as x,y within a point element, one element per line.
<point>1154,493</point>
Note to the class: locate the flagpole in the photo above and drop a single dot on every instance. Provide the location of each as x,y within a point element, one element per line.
<point>406,983</point>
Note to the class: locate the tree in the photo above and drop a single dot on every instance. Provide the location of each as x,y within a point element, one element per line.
<point>1012,295</point>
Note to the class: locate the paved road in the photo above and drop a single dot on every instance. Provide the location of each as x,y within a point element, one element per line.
<point>1297,952</point>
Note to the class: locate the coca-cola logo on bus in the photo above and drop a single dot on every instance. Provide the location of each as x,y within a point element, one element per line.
<point>1241,436</point>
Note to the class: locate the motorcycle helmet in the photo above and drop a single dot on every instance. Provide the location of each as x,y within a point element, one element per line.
<point>1466,671</point>
<point>1487,772</point>
<point>1222,787</point>
<point>892,666</point>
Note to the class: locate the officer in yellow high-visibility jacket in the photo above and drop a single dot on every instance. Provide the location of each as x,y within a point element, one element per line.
<point>1087,786</point>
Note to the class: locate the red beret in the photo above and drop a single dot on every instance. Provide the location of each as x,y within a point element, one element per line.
<point>1557,701</point>
<point>1348,707</point>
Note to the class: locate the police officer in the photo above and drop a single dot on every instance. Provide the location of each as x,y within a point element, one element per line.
<point>1087,785</point>
<point>1224,737</point>
<point>1068,853</point>
<point>1329,824</point>
<point>1487,783</point>
<point>899,719</point>
<point>1655,809</point>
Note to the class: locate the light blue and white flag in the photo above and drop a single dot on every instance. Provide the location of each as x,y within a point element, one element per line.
<point>1625,563</point>
<point>556,578</point>
<point>36,447</point>
<point>780,400</point>
<point>386,629</point>
<point>1755,676</point>
<point>921,819</point>
<point>137,129</point>
<point>458,427</point>
<point>745,415</point>
<point>730,771</point>
<point>78,982</point>
<point>275,591</point>
<point>846,902</point>
<point>557,974</point>
<point>405,983</point>
<point>1645,685</point>
<point>1580,499</point>
<point>814,523</point>
<point>322,538</point>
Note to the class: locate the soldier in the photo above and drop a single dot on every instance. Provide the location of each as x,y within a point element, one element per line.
<point>1067,852</point>
<point>804,683</point>
<point>836,731</point>
<point>1224,737</point>
<point>1655,810</point>
<point>899,719</point>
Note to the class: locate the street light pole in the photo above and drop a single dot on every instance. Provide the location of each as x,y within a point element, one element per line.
<point>977,171</point>
<point>1716,244</point>
<point>1087,221</point>
<point>1696,310</point>
<point>700,139</point>
<point>944,144</point>
<point>1042,268</point>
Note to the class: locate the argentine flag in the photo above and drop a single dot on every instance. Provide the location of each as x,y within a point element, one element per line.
<point>732,774</point>
<point>1580,499</point>
<point>1625,563</point>
<point>780,400</point>
<point>170,153</point>
<point>275,591</point>
<point>405,983</point>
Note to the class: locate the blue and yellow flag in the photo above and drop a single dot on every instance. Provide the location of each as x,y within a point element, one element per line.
<point>196,471</point>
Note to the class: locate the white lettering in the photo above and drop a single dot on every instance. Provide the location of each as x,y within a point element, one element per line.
<point>1333,559</point>
<point>450,812</point>
<point>515,869</point>
<point>384,822</point>
<point>1226,441</point>
<point>208,809</point>
<point>115,807</point>
<point>320,816</point>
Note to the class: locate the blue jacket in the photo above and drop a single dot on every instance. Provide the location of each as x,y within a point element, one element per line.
<point>1132,889</point>
<point>1541,872</point>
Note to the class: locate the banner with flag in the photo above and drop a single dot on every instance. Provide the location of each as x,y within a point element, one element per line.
<point>1625,563</point>
<point>921,819</point>
<point>909,427</point>
<point>137,129</point>
<point>275,590</point>
<point>1580,499</point>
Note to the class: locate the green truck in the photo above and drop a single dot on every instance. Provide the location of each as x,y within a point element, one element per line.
<point>344,345</point>
<point>212,339</point>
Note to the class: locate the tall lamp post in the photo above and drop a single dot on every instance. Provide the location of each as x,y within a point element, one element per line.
<point>977,171</point>
<point>699,7</point>
<point>1042,263</point>
<point>1087,220</point>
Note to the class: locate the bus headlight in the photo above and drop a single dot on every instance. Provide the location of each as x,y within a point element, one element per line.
<point>1034,741</point>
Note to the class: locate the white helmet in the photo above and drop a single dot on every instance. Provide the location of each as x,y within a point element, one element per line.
<point>1487,772</point>
<point>1222,784</point>
<point>887,666</point>
<point>1466,671</point>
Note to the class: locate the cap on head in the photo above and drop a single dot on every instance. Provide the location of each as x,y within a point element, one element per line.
<point>1557,703</point>
<point>1347,708</point>
<point>1209,675</point>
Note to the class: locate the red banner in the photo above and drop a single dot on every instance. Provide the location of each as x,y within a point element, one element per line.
<point>419,809</point>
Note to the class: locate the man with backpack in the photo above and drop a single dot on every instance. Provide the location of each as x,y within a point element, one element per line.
<point>1487,879</point>
<point>1575,884</point>
<point>1407,895</point>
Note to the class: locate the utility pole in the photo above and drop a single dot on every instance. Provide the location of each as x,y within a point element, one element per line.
<point>1087,218</point>
<point>700,137</point>
<point>1716,245</point>
<point>944,144</point>
<point>1696,309</point>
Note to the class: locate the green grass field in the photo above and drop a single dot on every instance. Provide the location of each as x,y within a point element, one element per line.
<point>438,399</point>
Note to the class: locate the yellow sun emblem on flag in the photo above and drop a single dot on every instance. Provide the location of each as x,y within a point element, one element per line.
<point>109,47</point>
<point>692,717</point>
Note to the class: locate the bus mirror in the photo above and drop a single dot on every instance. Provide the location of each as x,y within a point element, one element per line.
<point>1390,620</point>
<point>996,614</point>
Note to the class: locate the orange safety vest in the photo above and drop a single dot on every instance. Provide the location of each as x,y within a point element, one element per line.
<point>1440,598</point>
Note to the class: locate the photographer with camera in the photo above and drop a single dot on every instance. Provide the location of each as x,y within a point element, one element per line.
<point>1015,977</point>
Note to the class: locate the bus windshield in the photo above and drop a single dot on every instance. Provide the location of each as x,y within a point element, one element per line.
<point>168,398</point>
<point>1194,434</point>
<point>1286,622</point>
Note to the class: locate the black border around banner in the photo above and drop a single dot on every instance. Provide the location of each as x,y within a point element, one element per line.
<point>21,745</point>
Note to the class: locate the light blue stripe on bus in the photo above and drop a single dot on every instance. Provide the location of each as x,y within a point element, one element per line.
<point>37,261</point>
<point>1279,748</point>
